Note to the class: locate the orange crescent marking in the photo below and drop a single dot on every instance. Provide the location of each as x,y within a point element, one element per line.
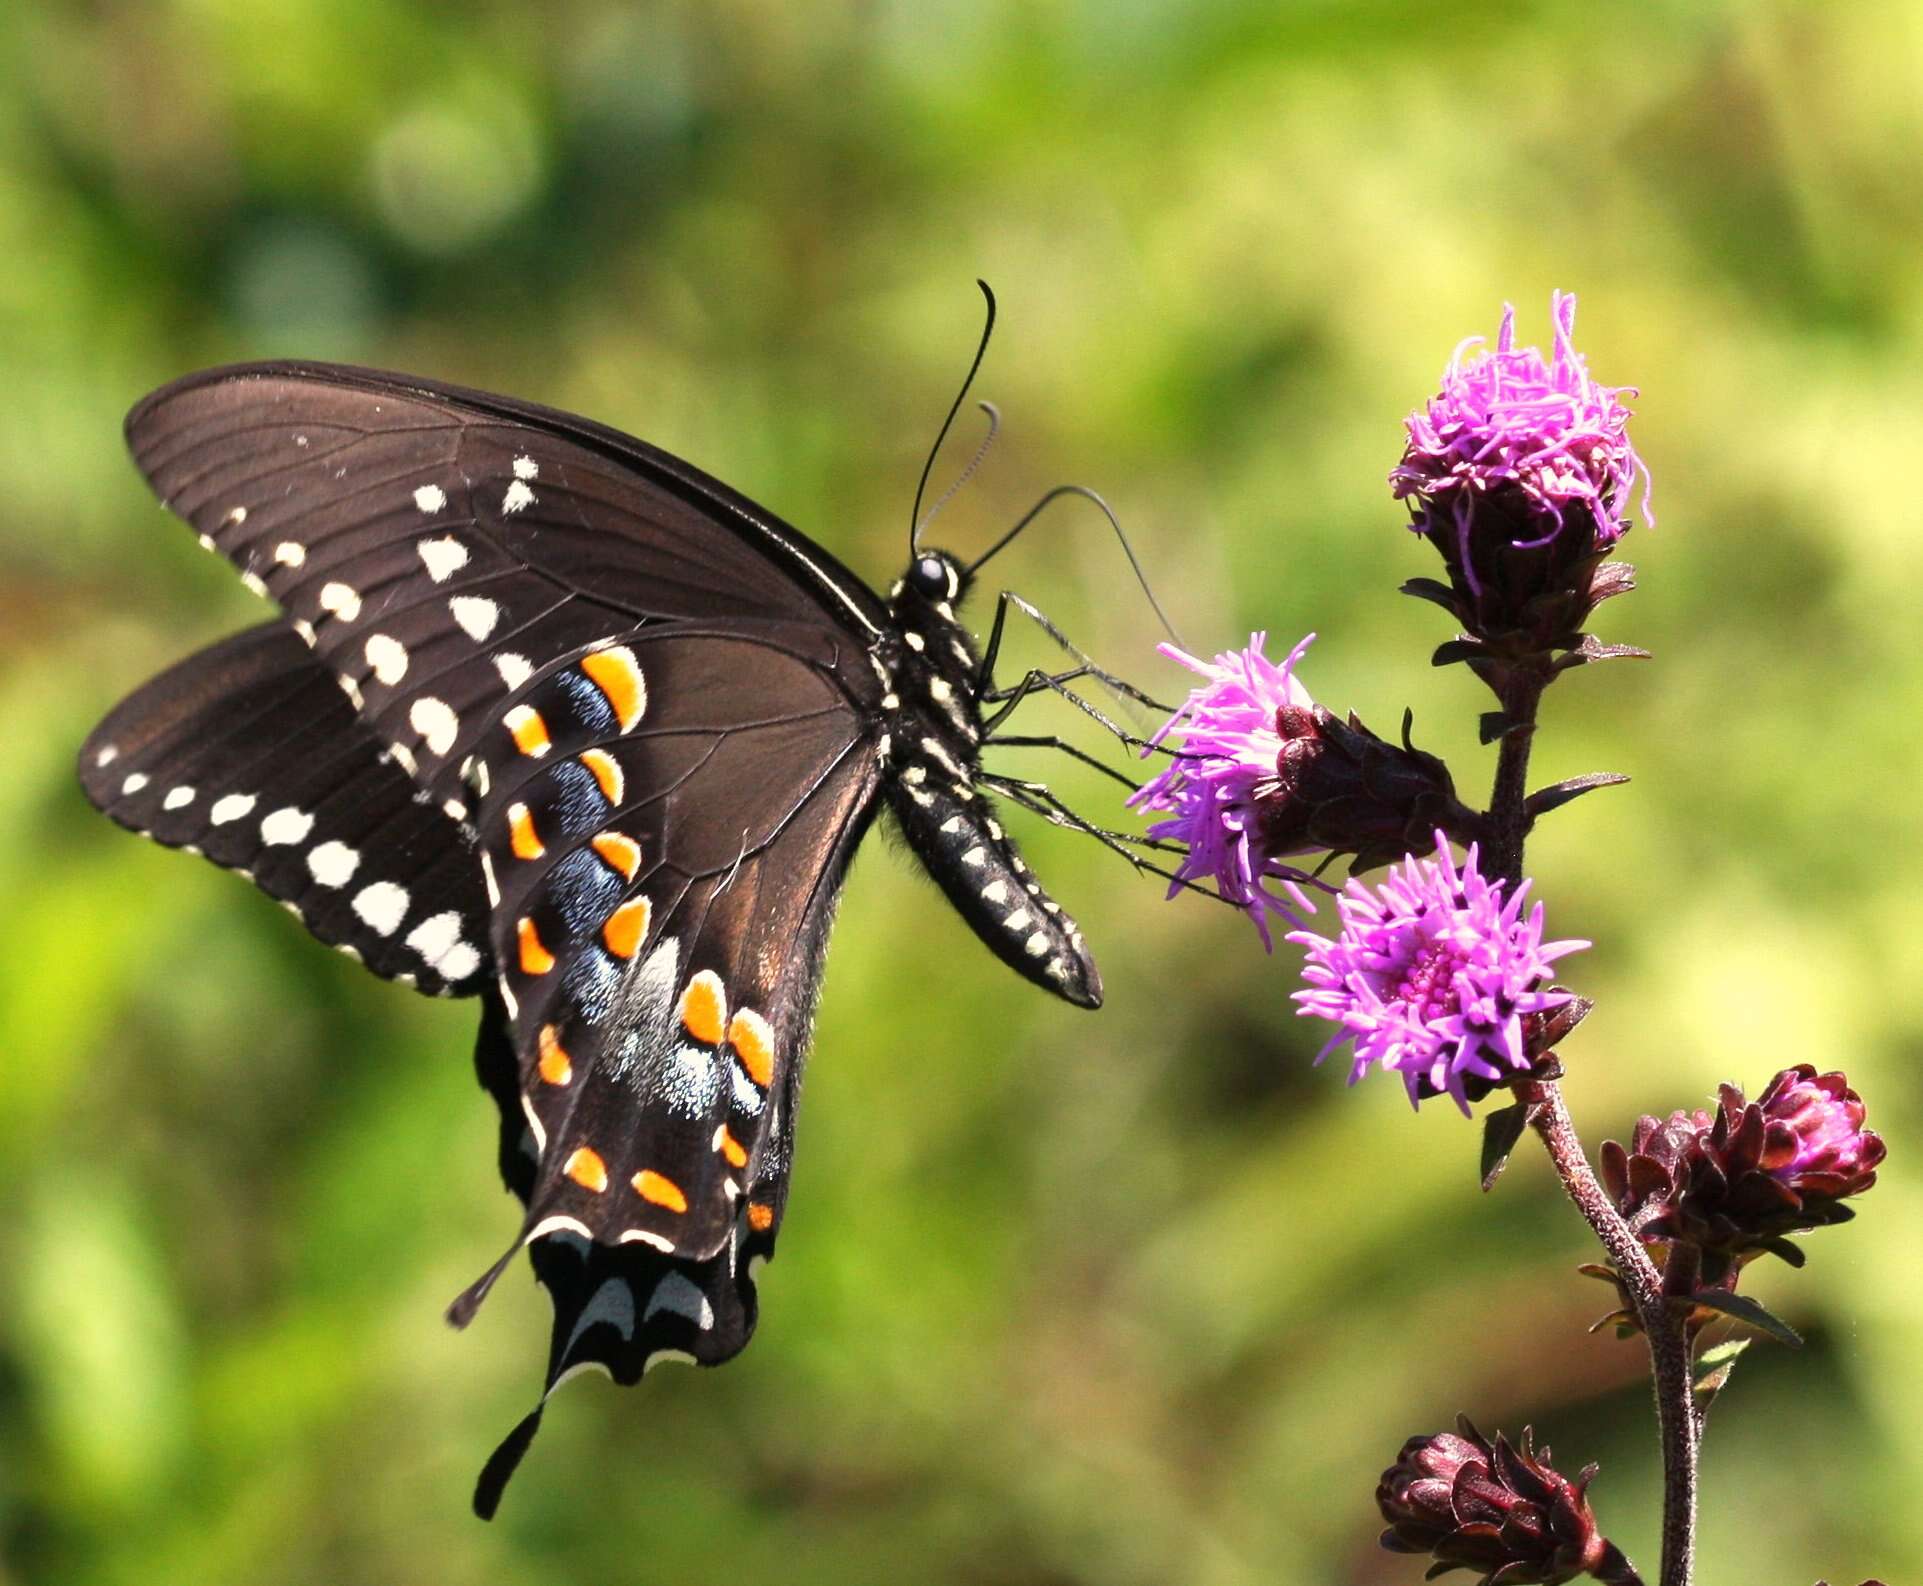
<point>761,1217</point>
<point>525,840</point>
<point>626,926</point>
<point>618,675</point>
<point>731,1148</point>
<point>619,852</point>
<point>555,1066</point>
<point>535,959</point>
<point>587,1169</point>
<point>529,731</point>
<point>659,1191</point>
<point>754,1043</point>
<point>704,1008</point>
<point>607,771</point>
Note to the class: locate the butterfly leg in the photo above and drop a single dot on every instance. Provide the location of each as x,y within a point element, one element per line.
<point>1067,748</point>
<point>1086,667</point>
<point>1036,798</point>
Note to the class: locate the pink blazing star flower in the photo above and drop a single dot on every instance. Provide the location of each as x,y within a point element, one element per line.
<point>1236,729</point>
<point>1431,976</point>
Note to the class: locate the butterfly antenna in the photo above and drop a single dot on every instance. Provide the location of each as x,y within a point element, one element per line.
<point>981,351</point>
<point>1114,522</point>
<point>994,428</point>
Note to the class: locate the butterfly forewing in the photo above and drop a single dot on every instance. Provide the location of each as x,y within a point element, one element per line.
<point>249,753</point>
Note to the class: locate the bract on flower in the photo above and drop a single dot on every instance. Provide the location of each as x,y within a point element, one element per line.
<point>1233,738</point>
<point>1519,471</point>
<point>1432,975</point>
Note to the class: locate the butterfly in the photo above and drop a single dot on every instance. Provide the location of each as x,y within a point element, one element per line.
<point>552,718</point>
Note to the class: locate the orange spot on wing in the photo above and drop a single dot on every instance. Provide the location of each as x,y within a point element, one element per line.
<point>522,836</point>
<point>555,1066</point>
<point>618,675</point>
<point>704,1008</point>
<point>626,926</point>
<point>606,770</point>
<point>761,1216</point>
<point>754,1043</point>
<point>659,1191</point>
<point>535,959</point>
<point>587,1169</point>
<point>619,852</point>
<point>731,1148</point>
<point>529,731</point>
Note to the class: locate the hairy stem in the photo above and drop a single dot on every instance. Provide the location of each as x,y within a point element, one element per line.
<point>1664,1325</point>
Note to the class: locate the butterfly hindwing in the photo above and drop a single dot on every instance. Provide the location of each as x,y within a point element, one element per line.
<point>664,819</point>
<point>249,753</point>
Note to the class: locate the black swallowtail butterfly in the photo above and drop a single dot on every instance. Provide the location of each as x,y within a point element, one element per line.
<point>554,718</point>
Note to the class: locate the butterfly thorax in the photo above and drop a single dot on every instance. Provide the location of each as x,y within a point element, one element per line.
<point>930,748</point>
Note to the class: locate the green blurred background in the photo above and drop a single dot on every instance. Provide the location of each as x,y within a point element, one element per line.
<point>1132,1298</point>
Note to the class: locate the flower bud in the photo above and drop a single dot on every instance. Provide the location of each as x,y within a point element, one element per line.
<point>1736,1180</point>
<point>1519,472</point>
<point>1496,1508</point>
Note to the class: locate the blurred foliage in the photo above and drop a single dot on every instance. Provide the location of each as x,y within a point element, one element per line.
<point>1063,1299</point>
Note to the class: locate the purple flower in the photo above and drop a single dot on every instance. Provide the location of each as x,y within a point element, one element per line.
<point>1508,419</point>
<point>1519,472</point>
<point>1236,730</point>
<point>1432,976</point>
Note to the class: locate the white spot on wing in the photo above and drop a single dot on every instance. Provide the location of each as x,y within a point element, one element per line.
<point>254,584</point>
<point>435,722</point>
<point>459,962</point>
<point>430,498</point>
<point>476,615</point>
<point>290,553</point>
<point>646,1236</point>
<point>134,783</point>
<point>382,905</point>
<point>284,826</point>
<point>442,558</point>
<point>526,468</point>
<point>107,756</point>
<point>333,864</point>
<point>341,599</point>
<point>518,498</point>
<point>388,657</point>
<point>514,669</point>
<point>230,808</point>
<point>237,517</point>
<point>436,936</point>
<point>178,799</point>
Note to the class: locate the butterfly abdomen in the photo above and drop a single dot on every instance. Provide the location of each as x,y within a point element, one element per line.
<point>931,753</point>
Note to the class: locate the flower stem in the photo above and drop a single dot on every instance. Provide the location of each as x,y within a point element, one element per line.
<point>1665,1325</point>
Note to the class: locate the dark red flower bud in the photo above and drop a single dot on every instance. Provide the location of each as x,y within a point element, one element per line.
<point>1496,1508</point>
<point>1736,1180</point>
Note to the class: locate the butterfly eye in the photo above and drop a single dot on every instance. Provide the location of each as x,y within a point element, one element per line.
<point>933,578</point>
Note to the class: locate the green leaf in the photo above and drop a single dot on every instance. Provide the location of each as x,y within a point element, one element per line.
<point>1501,1130</point>
<point>1741,1308</point>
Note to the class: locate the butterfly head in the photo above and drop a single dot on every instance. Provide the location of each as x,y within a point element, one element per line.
<point>935,577</point>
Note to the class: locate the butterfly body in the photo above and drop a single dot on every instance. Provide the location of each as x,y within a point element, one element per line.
<point>554,717</point>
